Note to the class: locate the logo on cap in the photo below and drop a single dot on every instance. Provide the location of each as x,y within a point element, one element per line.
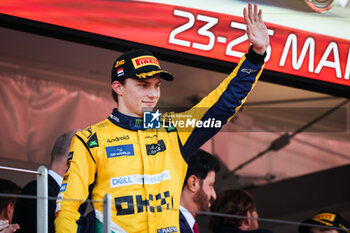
<point>120,72</point>
<point>119,63</point>
<point>325,216</point>
<point>144,61</point>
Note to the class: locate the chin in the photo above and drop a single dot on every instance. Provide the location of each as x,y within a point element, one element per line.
<point>149,107</point>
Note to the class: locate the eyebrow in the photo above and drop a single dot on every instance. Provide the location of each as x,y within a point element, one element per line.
<point>147,82</point>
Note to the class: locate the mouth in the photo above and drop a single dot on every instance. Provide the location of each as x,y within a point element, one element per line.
<point>149,103</point>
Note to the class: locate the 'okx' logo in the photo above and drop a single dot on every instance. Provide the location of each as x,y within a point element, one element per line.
<point>151,120</point>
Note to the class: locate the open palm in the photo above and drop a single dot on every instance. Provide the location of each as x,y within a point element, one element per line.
<point>256,29</point>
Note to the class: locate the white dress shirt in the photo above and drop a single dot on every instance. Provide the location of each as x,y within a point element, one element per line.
<point>56,177</point>
<point>188,216</point>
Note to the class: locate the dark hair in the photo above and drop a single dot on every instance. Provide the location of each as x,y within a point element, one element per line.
<point>200,164</point>
<point>115,95</point>
<point>61,148</point>
<point>233,201</point>
<point>7,186</point>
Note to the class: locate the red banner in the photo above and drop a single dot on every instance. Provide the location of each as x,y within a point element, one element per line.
<point>205,33</point>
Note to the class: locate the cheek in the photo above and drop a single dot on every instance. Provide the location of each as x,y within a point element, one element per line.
<point>137,95</point>
<point>209,191</point>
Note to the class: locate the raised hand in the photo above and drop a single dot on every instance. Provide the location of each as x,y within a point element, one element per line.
<point>6,227</point>
<point>256,29</point>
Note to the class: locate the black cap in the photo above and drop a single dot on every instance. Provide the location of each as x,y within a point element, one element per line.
<point>325,218</point>
<point>138,64</point>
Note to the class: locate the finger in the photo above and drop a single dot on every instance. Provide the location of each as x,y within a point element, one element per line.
<point>260,16</point>
<point>12,228</point>
<point>15,226</point>
<point>250,12</point>
<point>4,224</point>
<point>249,34</point>
<point>246,18</point>
<point>255,15</point>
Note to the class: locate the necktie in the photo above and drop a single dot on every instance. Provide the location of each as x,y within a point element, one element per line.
<point>195,228</point>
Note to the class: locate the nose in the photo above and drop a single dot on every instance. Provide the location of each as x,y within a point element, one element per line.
<point>154,93</point>
<point>213,195</point>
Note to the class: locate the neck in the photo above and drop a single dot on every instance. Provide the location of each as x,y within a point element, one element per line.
<point>187,202</point>
<point>59,168</point>
<point>126,111</point>
<point>2,215</point>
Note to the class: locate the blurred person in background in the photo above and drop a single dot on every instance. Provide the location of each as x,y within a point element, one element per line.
<point>235,202</point>
<point>7,206</point>
<point>25,211</point>
<point>325,221</point>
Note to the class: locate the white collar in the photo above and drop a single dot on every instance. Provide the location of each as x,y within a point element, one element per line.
<point>56,177</point>
<point>188,216</point>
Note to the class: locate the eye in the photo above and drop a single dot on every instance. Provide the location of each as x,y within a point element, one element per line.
<point>142,85</point>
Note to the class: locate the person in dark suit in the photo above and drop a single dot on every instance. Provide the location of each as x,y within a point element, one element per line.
<point>198,191</point>
<point>25,210</point>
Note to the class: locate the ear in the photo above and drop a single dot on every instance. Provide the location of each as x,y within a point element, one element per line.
<point>246,222</point>
<point>193,183</point>
<point>117,87</point>
<point>9,211</point>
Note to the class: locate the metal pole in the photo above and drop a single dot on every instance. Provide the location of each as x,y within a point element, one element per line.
<point>18,170</point>
<point>42,201</point>
<point>107,212</point>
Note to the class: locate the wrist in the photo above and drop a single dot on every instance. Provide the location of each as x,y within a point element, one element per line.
<point>260,51</point>
<point>254,57</point>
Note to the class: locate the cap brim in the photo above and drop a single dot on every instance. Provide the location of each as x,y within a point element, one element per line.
<point>166,75</point>
<point>162,74</point>
<point>305,229</point>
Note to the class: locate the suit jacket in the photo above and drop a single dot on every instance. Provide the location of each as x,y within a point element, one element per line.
<point>184,226</point>
<point>25,209</point>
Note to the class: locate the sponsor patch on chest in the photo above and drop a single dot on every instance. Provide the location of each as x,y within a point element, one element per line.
<point>122,150</point>
<point>153,149</point>
<point>140,179</point>
<point>167,230</point>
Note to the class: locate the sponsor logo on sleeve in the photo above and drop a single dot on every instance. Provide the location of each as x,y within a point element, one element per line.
<point>87,132</point>
<point>63,187</point>
<point>93,141</point>
<point>248,71</point>
<point>122,150</point>
<point>65,177</point>
<point>58,207</point>
<point>59,197</point>
<point>70,156</point>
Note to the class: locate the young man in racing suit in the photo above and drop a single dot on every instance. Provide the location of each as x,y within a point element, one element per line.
<point>144,169</point>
